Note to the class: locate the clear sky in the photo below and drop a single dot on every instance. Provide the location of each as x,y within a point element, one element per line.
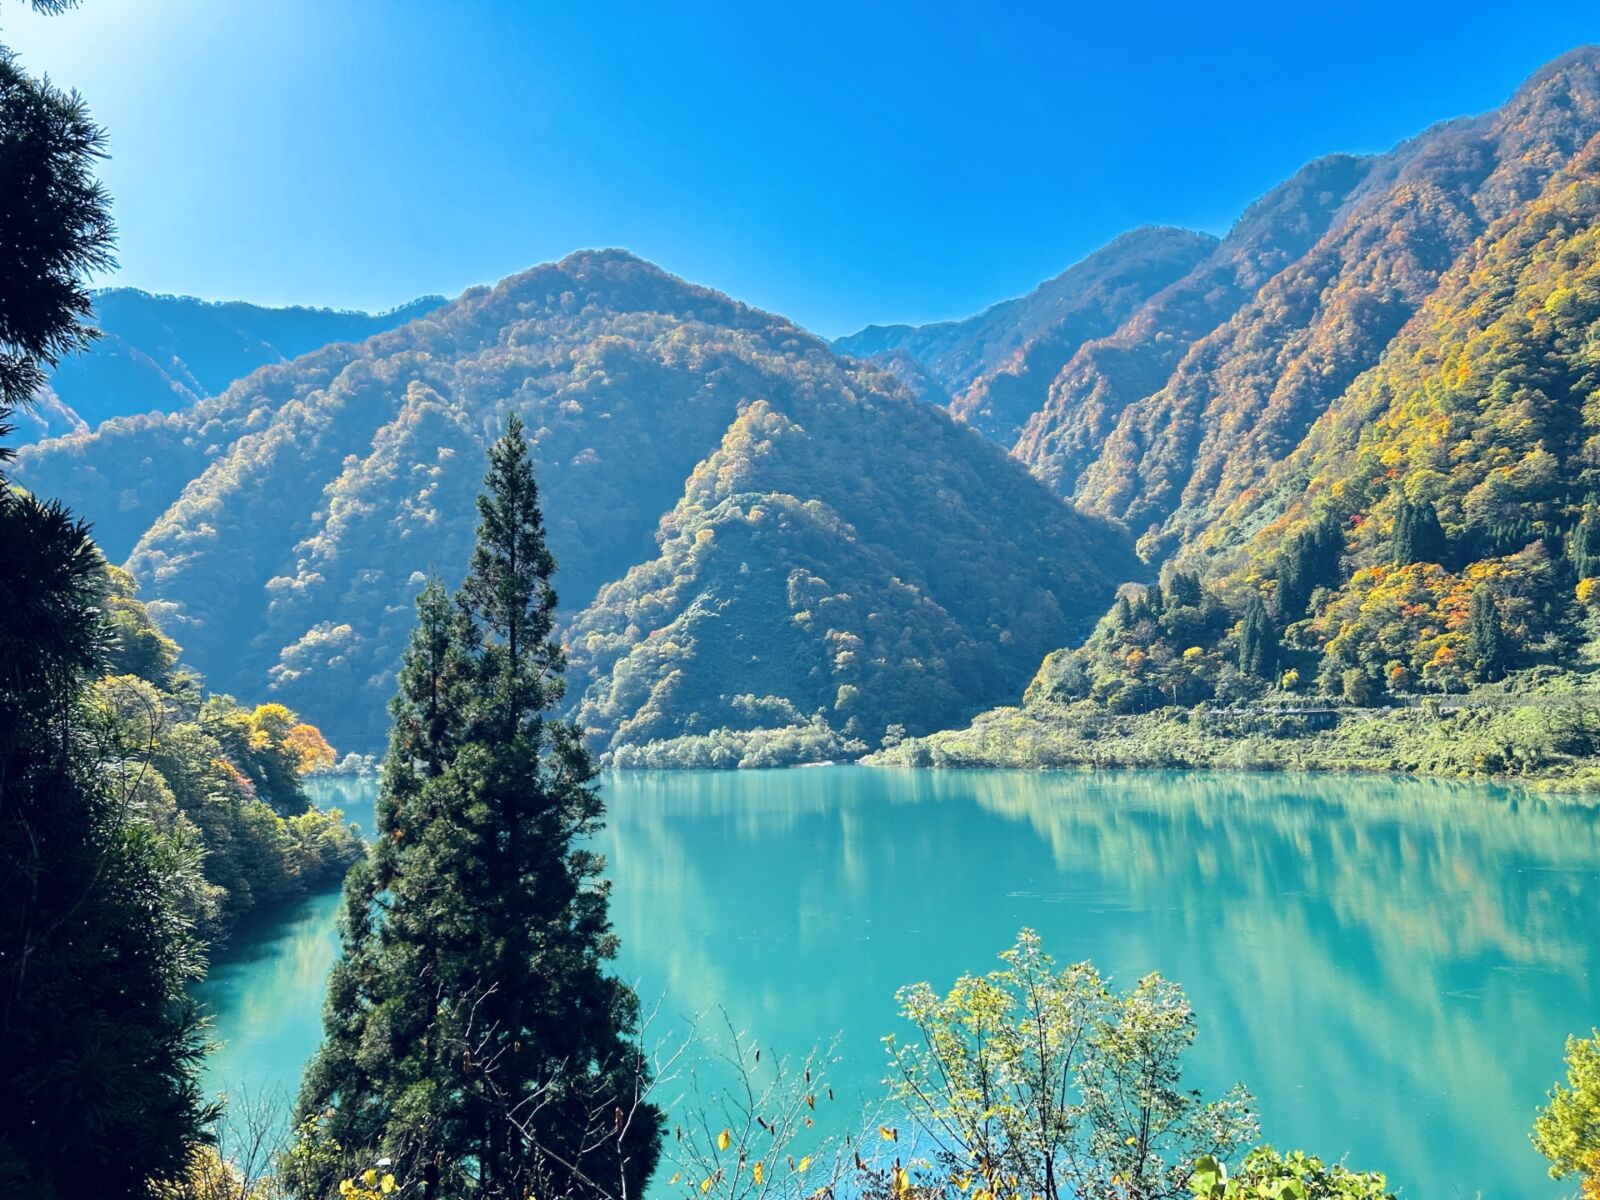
<point>842,163</point>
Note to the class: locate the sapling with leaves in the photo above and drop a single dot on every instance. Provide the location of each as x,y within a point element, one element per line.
<point>1567,1131</point>
<point>1041,1082</point>
<point>1267,1175</point>
<point>750,1131</point>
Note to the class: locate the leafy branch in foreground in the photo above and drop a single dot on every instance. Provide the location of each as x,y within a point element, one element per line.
<point>1567,1130</point>
<point>1033,1081</point>
<point>753,1136</point>
<point>1267,1175</point>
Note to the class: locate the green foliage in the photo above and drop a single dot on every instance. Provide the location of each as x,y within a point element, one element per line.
<point>1486,639</point>
<point>96,890</point>
<point>1267,1175</point>
<point>226,777</point>
<point>1550,740</point>
<point>1583,541</point>
<point>813,741</point>
<point>1418,536</point>
<point>1567,1130</point>
<point>869,603</point>
<point>1258,641</point>
<point>55,226</point>
<point>1311,560</point>
<point>98,1039</point>
<point>471,1033</point>
<point>1170,644</point>
<point>1033,1080</point>
<point>1356,687</point>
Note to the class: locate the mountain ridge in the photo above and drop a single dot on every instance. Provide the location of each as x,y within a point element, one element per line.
<point>160,352</point>
<point>319,492</point>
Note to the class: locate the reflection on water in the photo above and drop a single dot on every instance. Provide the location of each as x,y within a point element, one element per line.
<point>1391,965</point>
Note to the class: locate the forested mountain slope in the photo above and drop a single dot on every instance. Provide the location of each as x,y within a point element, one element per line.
<point>1376,483</point>
<point>1245,396</point>
<point>160,353</point>
<point>281,529</point>
<point>1108,375</point>
<point>997,365</point>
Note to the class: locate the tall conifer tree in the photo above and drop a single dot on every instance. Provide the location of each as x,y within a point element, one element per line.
<point>98,1041</point>
<point>1418,536</point>
<point>1258,641</point>
<point>472,1033</point>
<point>1486,637</point>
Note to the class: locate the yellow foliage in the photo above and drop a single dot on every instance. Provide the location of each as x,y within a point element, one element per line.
<point>309,747</point>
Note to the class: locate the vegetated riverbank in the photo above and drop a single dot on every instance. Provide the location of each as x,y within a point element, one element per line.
<point>1548,747</point>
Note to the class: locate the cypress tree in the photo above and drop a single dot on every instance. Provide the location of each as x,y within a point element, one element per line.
<point>1486,640</point>
<point>1183,590</point>
<point>1258,641</point>
<point>98,1041</point>
<point>472,1034</point>
<point>1310,560</point>
<point>1583,542</point>
<point>1124,612</point>
<point>1418,536</point>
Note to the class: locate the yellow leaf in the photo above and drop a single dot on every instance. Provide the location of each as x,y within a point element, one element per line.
<point>804,1164</point>
<point>676,1175</point>
<point>758,1172</point>
<point>887,1134</point>
<point>705,1185</point>
<point>724,1140</point>
<point>387,1183</point>
<point>369,1177</point>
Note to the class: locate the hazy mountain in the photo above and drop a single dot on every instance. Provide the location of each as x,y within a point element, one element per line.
<point>783,532</point>
<point>997,365</point>
<point>1106,376</point>
<point>161,353</point>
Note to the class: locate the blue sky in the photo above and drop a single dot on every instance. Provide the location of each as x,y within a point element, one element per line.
<point>839,163</point>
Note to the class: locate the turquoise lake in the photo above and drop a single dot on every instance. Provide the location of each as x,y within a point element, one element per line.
<point>1390,965</point>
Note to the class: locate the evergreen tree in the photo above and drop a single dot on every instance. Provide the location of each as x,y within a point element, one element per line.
<point>1310,560</point>
<point>55,227</point>
<point>1183,590</point>
<point>1583,541</point>
<point>1418,536</point>
<point>1486,640</point>
<point>472,1034</point>
<point>1124,612</point>
<point>1258,641</point>
<point>98,1042</point>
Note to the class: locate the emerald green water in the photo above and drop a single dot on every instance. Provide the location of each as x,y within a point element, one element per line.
<point>1390,965</point>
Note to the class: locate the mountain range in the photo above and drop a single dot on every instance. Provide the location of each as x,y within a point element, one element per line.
<point>754,534</point>
<point>774,547</point>
<point>160,353</point>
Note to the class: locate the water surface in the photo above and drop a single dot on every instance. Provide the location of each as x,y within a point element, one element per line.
<point>1390,965</point>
